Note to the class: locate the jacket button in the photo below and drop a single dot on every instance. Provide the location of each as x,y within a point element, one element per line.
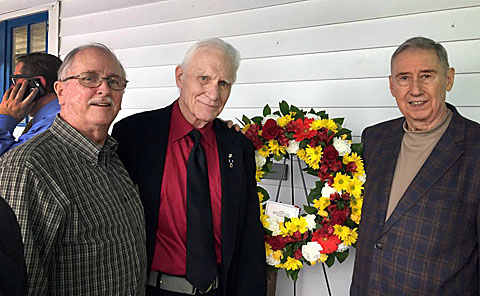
<point>378,246</point>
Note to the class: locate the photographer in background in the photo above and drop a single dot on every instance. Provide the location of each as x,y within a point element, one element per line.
<point>31,94</point>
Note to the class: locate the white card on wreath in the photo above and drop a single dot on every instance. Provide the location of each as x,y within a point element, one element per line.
<point>280,210</point>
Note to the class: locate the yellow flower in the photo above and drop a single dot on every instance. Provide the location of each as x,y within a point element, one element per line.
<point>260,196</point>
<point>263,217</point>
<point>264,151</point>
<point>282,121</point>
<point>355,187</point>
<point>268,249</point>
<point>323,258</point>
<point>259,174</point>
<point>351,237</point>
<point>321,204</point>
<point>277,255</point>
<point>246,127</point>
<point>314,156</point>
<point>302,154</point>
<point>292,264</point>
<point>275,148</point>
<point>287,228</point>
<point>341,231</point>
<point>299,224</point>
<point>356,205</point>
<point>326,123</point>
<point>341,181</point>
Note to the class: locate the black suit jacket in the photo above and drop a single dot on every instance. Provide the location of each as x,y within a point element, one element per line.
<point>430,243</point>
<point>13,271</point>
<point>143,140</point>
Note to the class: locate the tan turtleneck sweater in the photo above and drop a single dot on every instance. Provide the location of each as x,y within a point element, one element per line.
<point>415,149</point>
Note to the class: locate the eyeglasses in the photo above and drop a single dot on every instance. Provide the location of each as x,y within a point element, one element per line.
<point>93,79</point>
<point>13,78</point>
<point>407,79</point>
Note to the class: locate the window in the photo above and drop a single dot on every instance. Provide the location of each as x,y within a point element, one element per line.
<point>19,36</point>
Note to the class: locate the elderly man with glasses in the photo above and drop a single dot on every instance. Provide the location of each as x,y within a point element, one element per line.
<point>80,214</point>
<point>31,94</point>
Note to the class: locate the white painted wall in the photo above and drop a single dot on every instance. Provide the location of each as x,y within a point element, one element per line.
<point>325,54</point>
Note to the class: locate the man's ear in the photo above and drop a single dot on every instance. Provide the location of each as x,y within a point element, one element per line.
<point>58,87</point>
<point>43,81</point>
<point>179,76</point>
<point>450,78</point>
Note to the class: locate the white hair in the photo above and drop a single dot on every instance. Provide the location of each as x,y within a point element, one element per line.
<point>216,43</point>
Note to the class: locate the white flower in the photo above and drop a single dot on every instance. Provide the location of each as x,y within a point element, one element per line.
<point>271,261</point>
<point>273,225</point>
<point>293,147</point>
<point>271,116</point>
<point>310,221</point>
<point>343,146</point>
<point>259,159</point>
<point>327,190</point>
<point>342,248</point>
<point>311,251</point>
<point>362,178</point>
<point>312,116</point>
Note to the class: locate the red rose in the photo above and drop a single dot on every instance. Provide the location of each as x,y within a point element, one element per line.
<point>277,242</point>
<point>351,167</point>
<point>330,153</point>
<point>298,254</point>
<point>339,216</point>
<point>270,130</point>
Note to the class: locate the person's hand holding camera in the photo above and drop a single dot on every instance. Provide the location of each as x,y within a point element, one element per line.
<point>13,103</point>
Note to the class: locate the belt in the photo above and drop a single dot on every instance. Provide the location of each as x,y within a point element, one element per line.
<point>176,284</point>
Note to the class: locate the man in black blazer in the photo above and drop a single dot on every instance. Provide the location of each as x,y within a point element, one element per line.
<point>155,147</point>
<point>13,271</point>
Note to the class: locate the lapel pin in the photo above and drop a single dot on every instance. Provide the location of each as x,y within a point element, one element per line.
<point>230,160</point>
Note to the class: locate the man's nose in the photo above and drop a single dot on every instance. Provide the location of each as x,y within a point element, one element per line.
<point>104,88</point>
<point>417,86</point>
<point>213,90</point>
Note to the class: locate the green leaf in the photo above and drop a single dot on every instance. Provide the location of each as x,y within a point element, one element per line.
<point>278,157</point>
<point>295,275</point>
<point>277,113</point>
<point>330,260</point>
<point>266,110</point>
<point>358,147</point>
<point>344,131</point>
<point>246,120</point>
<point>284,108</point>
<point>295,109</point>
<point>257,119</point>
<point>341,256</point>
<point>339,120</point>
<point>310,210</point>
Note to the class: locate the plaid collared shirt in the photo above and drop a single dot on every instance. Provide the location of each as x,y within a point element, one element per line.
<point>80,214</point>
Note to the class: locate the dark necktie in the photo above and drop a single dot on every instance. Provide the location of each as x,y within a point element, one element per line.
<point>27,127</point>
<point>201,260</point>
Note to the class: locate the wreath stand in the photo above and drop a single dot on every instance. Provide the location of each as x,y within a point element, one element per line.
<point>293,203</point>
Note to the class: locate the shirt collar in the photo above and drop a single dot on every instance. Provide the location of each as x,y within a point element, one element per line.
<point>52,108</point>
<point>93,153</point>
<point>183,127</point>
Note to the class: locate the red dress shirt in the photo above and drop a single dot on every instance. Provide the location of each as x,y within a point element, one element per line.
<point>170,243</point>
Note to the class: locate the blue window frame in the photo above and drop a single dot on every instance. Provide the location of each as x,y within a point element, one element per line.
<point>19,36</point>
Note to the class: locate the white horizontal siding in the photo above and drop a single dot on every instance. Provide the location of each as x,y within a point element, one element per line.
<point>267,19</point>
<point>442,26</point>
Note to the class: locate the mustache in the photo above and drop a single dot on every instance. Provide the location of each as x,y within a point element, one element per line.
<point>102,100</point>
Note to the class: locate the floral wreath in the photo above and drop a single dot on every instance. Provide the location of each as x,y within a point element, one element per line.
<point>329,227</point>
